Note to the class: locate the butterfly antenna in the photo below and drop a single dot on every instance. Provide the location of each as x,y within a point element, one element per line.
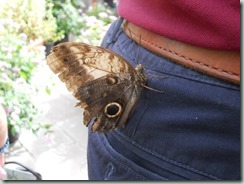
<point>152,89</point>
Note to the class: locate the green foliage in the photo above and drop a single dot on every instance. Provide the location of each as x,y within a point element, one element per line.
<point>67,16</point>
<point>22,22</point>
<point>96,20</point>
<point>17,63</point>
<point>33,18</point>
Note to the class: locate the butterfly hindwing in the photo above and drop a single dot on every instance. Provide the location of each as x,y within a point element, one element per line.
<point>105,85</point>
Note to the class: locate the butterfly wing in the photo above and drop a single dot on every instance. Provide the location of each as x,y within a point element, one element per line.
<point>101,80</point>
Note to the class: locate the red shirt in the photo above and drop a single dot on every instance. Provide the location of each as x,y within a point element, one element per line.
<point>208,23</point>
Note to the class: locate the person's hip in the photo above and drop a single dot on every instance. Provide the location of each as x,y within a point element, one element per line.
<point>186,132</point>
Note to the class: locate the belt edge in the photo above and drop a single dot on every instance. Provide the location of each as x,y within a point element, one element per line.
<point>185,61</point>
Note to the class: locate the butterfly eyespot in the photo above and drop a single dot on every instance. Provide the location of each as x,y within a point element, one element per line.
<point>111,80</point>
<point>113,110</point>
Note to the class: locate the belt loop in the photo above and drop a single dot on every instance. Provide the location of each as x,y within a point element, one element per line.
<point>113,35</point>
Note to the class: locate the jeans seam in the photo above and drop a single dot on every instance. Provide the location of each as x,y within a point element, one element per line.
<point>135,129</point>
<point>169,160</point>
<point>193,78</point>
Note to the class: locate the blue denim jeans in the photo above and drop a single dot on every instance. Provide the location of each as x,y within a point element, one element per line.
<point>189,132</point>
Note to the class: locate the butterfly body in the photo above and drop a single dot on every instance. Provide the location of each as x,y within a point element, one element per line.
<point>106,85</point>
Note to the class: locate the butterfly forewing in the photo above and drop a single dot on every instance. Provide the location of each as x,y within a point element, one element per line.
<point>106,86</point>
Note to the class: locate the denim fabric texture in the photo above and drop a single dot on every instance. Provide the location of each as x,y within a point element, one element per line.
<point>191,131</point>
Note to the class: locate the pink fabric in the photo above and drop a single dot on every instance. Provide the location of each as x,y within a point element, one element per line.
<point>208,23</point>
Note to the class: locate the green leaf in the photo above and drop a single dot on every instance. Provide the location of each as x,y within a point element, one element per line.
<point>48,90</point>
<point>23,75</point>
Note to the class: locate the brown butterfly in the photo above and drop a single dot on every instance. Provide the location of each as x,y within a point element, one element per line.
<point>105,84</point>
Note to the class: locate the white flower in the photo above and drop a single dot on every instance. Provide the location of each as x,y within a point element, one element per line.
<point>113,18</point>
<point>5,78</point>
<point>14,116</point>
<point>15,69</point>
<point>91,20</point>
<point>103,15</point>
<point>16,110</point>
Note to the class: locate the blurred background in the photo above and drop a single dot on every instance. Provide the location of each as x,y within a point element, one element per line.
<point>45,129</point>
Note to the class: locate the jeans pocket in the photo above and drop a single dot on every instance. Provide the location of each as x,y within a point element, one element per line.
<point>104,163</point>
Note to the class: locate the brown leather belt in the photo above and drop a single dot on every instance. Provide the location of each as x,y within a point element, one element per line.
<point>223,65</point>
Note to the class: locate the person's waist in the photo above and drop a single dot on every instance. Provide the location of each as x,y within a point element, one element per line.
<point>224,65</point>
